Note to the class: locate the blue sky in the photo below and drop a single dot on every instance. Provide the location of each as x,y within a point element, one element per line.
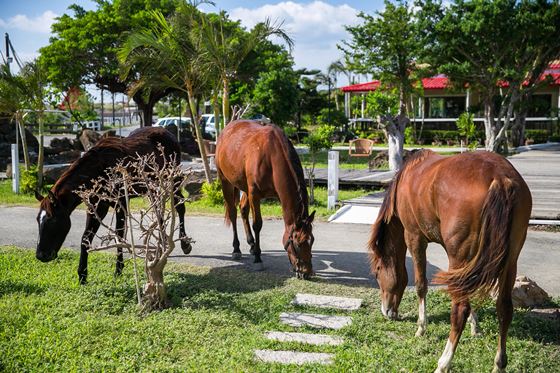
<point>315,26</point>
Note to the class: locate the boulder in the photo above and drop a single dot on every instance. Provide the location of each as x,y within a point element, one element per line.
<point>527,294</point>
<point>68,156</point>
<point>61,144</point>
<point>53,172</point>
<point>89,138</point>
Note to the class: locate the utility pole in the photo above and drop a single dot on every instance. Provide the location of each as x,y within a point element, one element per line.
<point>8,58</point>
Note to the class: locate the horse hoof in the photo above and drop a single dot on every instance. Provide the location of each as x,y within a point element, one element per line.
<point>186,247</point>
<point>236,256</point>
<point>252,251</point>
<point>258,267</point>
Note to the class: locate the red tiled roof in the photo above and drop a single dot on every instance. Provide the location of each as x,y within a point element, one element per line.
<point>441,81</point>
<point>362,87</point>
<point>437,82</point>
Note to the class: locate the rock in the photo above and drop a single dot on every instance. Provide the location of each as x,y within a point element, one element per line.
<point>53,172</point>
<point>68,156</point>
<point>526,293</point>
<point>61,144</point>
<point>89,138</point>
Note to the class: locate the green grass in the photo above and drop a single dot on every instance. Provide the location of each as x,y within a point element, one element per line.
<point>218,318</point>
<point>199,207</point>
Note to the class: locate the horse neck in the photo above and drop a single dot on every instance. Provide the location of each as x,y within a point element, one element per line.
<point>294,204</point>
<point>63,190</point>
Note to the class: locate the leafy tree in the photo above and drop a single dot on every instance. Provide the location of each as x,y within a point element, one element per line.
<point>387,45</point>
<point>84,45</point>
<point>467,128</point>
<point>318,140</point>
<point>276,89</point>
<point>496,49</point>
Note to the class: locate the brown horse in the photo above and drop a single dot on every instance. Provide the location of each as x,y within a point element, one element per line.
<point>260,161</point>
<point>477,206</point>
<point>54,214</point>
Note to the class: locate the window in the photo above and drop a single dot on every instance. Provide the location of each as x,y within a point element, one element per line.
<point>444,107</point>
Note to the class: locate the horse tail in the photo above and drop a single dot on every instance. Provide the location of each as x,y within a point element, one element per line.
<point>493,253</point>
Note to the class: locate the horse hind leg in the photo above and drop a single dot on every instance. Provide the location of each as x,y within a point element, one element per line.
<point>504,308</point>
<point>245,209</point>
<point>460,311</point>
<point>230,201</point>
<point>257,226</point>
<point>473,321</point>
<point>186,245</point>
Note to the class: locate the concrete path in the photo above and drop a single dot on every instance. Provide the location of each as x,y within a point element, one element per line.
<point>298,319</point>
<point>293,357</point>
<point>325,301</point>
<point>339,252</point>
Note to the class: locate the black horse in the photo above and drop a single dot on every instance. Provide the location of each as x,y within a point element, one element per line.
<point>54,214</point>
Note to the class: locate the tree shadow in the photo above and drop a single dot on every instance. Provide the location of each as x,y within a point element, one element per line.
<point>8,287</point>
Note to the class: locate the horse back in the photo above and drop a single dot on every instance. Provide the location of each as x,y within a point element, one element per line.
<point>442,198</point>
<point>246,154</point>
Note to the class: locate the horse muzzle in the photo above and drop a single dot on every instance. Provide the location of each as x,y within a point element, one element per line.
<point>45,257</point>
<point>389,312</point>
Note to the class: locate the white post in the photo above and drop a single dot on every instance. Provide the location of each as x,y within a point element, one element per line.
<point>15,169</point>
<point>347,104</point>
<point>468,100</point>
<point>332,179</point>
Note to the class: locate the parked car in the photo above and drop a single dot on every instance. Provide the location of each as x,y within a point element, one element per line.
<point>208,125</point>
<point>173,121</point>
<point>261,118</point>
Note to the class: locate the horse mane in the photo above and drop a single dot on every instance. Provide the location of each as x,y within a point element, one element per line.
<point>388,210</point>
<point>296,169</point>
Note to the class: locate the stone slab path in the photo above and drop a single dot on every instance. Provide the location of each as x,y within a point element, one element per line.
<point>298,319</point>
<point>312,339</point>
<point>325,301</point>
<point>293,357</point>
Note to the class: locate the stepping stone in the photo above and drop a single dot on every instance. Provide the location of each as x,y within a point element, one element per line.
<point>313,339</point>
<point>315,321</point>
<point>325,301</point>
<point>293,357</point>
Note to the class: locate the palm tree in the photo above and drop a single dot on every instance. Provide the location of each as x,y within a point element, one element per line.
<point>170,51</point>
<point>225,47</point>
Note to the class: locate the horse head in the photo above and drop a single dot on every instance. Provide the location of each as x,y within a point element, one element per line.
<point>298,241</point>
<point>54,223</point>
<point>387,254</point>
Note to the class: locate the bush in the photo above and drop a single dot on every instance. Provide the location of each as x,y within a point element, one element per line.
<point>538,136</point>
<point>213,192</point>
<point>409,137</point>
<point>28,179</point>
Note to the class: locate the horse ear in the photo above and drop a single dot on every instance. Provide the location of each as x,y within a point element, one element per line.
<point>52,197</point>
<point>311,217</point>
<point>38,196</point>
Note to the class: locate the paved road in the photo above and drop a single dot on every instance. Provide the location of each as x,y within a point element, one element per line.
<point>339,252</point>
<point>541,171</point>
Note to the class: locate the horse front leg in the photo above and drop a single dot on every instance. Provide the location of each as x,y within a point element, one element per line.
<point>92,226</point>
<point>417,247</point>
<point>255,203</point>
<point>460,311</point>
<point>245,209</point>
<point>186,245</point>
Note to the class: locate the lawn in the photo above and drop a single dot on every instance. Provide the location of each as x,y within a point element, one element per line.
<point>217,319</point>
<point>269,208</point>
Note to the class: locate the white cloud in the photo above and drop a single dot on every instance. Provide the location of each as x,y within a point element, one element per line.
<point>40,24</point>
<point>316,28</point>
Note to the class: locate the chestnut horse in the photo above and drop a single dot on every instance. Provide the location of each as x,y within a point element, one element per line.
<point>477,206</point>
<point>54,214</point>
<point>260,161</point>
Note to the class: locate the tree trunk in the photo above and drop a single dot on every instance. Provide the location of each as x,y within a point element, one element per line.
<point>41,156</point>
<point>23,137</point>
<point>199,139</point>
<point>154,294</point>
<point>489,124</point>
<point>216,106</point>
<point>225,102</point>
